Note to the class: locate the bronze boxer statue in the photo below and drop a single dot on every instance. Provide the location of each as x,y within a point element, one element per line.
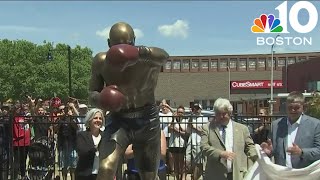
<point>123,81</point>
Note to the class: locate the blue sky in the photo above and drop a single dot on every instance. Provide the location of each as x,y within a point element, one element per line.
<point>181,27</point>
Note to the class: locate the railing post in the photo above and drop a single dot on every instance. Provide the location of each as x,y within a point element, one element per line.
<point>10,155</point>
<point>235,115</point>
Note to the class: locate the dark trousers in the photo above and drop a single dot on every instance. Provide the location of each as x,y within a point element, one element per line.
<point>4,168</point>
<point>19,160</point>
<point>90,177</point>
<point>4,162</point>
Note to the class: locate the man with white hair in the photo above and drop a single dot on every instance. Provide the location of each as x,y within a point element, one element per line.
<point>226,144</point>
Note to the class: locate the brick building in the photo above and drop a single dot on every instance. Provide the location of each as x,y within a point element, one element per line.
<point>243,78</point>
<point>303,76</point>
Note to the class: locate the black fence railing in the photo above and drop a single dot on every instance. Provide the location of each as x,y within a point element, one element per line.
<point>29,146</point>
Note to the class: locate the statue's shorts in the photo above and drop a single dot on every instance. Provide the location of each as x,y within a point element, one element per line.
<point>139,127</point>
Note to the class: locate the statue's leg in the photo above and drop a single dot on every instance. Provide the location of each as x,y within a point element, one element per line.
<point>146,148</point>
<point>111,151</point>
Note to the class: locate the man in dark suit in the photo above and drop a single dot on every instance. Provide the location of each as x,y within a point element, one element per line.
<point>295,139</point>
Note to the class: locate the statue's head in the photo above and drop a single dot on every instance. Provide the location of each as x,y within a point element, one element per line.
<point>121,33</point>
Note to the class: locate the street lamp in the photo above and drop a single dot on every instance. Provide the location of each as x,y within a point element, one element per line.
<point>271,79</point>
<point>50,57</point>
<point>229,75</point>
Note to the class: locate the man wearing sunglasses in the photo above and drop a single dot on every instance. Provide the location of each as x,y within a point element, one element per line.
<point>295,140</point>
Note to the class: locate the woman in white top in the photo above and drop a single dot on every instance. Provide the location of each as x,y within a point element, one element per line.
<point>177,142</point>
<point>87,145</point>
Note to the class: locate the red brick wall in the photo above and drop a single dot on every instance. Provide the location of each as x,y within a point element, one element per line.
<point>299,74</point>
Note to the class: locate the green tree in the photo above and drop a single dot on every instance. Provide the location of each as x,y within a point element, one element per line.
<point>313,106</point>
<point>26,70</point>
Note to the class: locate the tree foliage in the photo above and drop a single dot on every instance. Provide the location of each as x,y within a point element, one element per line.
<point>313,106</point>
<point>26,70</point>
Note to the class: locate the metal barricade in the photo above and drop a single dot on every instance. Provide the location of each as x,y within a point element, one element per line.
<point>16,147</point>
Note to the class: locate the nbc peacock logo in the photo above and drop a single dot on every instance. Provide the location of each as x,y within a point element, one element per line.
<point>266,24</point>
<point>287,19</point>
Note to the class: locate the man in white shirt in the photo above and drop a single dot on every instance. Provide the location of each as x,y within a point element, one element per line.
<point>165,117</point>
<point>295,140</point>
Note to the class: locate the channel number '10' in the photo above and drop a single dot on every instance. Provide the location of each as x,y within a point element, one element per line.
<point>293,16</point>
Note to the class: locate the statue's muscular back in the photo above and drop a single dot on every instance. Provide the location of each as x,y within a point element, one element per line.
<point>136,82</point>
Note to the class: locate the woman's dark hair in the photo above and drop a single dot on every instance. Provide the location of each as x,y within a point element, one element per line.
<point>180,107</point>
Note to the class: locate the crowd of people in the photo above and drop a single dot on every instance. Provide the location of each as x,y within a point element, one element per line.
<point>75,134</point>
<point>189,144</point>
<point>24,123</point>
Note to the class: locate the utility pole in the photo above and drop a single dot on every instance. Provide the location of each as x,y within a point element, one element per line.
<point>271,102</point>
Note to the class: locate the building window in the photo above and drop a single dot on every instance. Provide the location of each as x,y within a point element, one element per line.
<point>233,63</point>
<point>242,64</point>
<point>313,85</point>
<point>185,64</point>
<point>269,62</point>
<point>204,64</point>
<point>281,62</point>
<point>312,57</point>
<point>204,104</point>
<point>262,63</point>
<point>211,103</point>
<point>223,63</point>
<point>291,60</point>
<point>195,64</point>
<point>168,65</point>
<point>176,64</point>
<point>252,63</point>
<point>214,64</point>
<point>302,58</point>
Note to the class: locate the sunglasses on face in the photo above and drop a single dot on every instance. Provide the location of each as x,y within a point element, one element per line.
<point>294,106</point>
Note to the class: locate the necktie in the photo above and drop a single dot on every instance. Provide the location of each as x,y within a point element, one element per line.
<point>224,133</point>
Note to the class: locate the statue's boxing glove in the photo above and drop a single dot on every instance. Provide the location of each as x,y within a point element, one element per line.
<point>122,56</point>
<point>111,98</point>
<point>144,51</point>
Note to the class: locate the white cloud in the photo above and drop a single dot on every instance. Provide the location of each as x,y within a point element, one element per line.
<point>178,29</point>
<point>104,33</point>
<point>139,34</point>
<point>18,28</point>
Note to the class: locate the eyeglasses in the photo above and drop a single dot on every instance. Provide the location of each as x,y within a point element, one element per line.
<point>181,112</point>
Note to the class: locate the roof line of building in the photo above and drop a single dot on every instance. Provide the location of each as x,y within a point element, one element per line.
<point>230,55</point>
